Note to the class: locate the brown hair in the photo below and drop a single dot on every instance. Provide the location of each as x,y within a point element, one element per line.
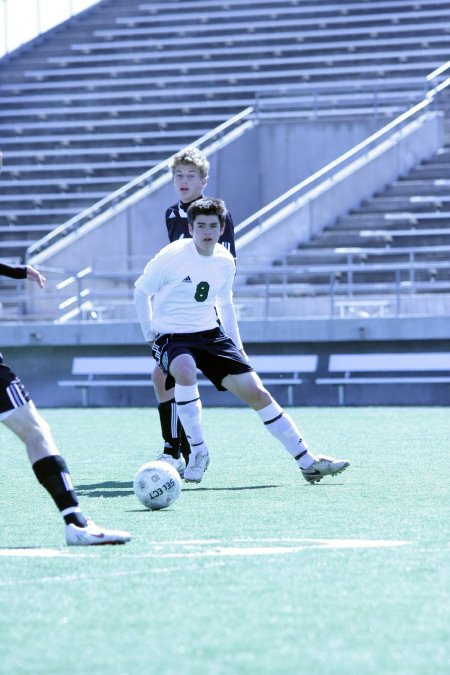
<point>208,206</point>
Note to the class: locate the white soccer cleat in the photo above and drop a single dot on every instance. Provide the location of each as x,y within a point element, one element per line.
<point>178,464</point>
<point>93,535</point>
<point>197,465</point>
<point>324,466</point>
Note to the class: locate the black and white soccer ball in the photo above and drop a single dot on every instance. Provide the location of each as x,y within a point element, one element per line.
<point>157,485</point>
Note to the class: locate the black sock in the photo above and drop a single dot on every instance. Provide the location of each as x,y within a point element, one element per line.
<point>168,419</point>
<point>185,448</point>
<point>53,474</point>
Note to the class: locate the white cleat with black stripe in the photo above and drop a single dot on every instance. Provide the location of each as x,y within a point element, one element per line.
<point>324,466</point>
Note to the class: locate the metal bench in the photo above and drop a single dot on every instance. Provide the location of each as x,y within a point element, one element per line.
<point>135,371</point>
<point>365,307</point>
<point>388,368</point>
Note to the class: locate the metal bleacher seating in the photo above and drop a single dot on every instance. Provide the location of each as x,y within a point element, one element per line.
<point>388,254</point>
<point>119,88</point>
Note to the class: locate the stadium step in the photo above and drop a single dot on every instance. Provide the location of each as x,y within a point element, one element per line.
<point>110,94</point>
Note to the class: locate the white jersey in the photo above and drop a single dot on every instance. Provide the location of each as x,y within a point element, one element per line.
<point>186,287</point>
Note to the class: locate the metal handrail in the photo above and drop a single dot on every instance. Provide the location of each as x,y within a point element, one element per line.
<point>133,186</point>
<point>316,97</point>
<point>438,71</point>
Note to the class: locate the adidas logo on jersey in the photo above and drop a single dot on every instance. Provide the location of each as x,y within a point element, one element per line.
<point>187,280</point>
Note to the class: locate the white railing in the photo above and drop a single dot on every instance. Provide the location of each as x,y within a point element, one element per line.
<point>437,72</point>
<point>353,281</point>
<point>352,278</point>
<point>95,294</point>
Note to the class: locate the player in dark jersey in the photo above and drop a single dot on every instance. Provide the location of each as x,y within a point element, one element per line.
<point>19,414</point>
<point>190,175</point>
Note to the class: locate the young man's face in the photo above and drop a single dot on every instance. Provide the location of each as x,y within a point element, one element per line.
<point>188,182</point>
<point>206,232</point>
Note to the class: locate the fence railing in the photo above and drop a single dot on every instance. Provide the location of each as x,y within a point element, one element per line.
<point>374,281</point>
<point>376,98</point>
<point>370,290</point>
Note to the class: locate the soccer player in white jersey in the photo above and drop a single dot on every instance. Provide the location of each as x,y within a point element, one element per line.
<point>19,414</point>
<point>175,301</point>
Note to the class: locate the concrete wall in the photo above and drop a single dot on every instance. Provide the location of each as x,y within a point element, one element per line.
<point>274,156</point>
<point>289,152</point>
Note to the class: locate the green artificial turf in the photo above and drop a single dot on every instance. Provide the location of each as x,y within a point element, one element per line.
<point>252,572</point>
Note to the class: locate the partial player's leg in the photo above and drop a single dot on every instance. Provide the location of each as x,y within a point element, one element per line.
<point>51,471</point>
<point>170,425</point>
<point>249,388</point>
<point>185,448</point>
<point>184,370</point>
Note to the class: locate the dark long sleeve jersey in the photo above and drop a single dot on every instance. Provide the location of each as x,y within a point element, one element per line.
<point>13,271</point>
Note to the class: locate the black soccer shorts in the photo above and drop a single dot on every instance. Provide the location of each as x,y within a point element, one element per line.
<point>12,392</point>
<point>215,354</point>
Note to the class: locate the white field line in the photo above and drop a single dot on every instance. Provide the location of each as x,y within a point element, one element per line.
<point>258,547</point>
<point>197,548</point>
<point>213,548</point>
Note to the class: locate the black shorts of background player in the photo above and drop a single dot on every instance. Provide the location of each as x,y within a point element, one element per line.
<point>19,414</point>
<point>194,277</point>
<point>190,170</point>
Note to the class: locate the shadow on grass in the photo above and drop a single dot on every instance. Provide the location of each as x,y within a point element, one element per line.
<point>106,489</point>
<point>125,489</point>
<point>194,488</point>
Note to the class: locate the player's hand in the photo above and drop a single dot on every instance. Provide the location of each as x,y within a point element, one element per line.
<point>34,275</point>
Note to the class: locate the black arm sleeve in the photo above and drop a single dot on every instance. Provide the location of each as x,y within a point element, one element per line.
<point>227,239</point>
<point>13,271</point>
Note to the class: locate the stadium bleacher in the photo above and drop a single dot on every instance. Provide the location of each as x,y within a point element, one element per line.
<point>396,244</point>
<point>118,89</point>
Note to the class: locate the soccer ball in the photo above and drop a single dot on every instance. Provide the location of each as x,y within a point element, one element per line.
<point>157,485</point>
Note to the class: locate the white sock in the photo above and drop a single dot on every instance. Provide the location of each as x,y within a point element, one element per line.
<point>283,428</point>
<point>189,407</point>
